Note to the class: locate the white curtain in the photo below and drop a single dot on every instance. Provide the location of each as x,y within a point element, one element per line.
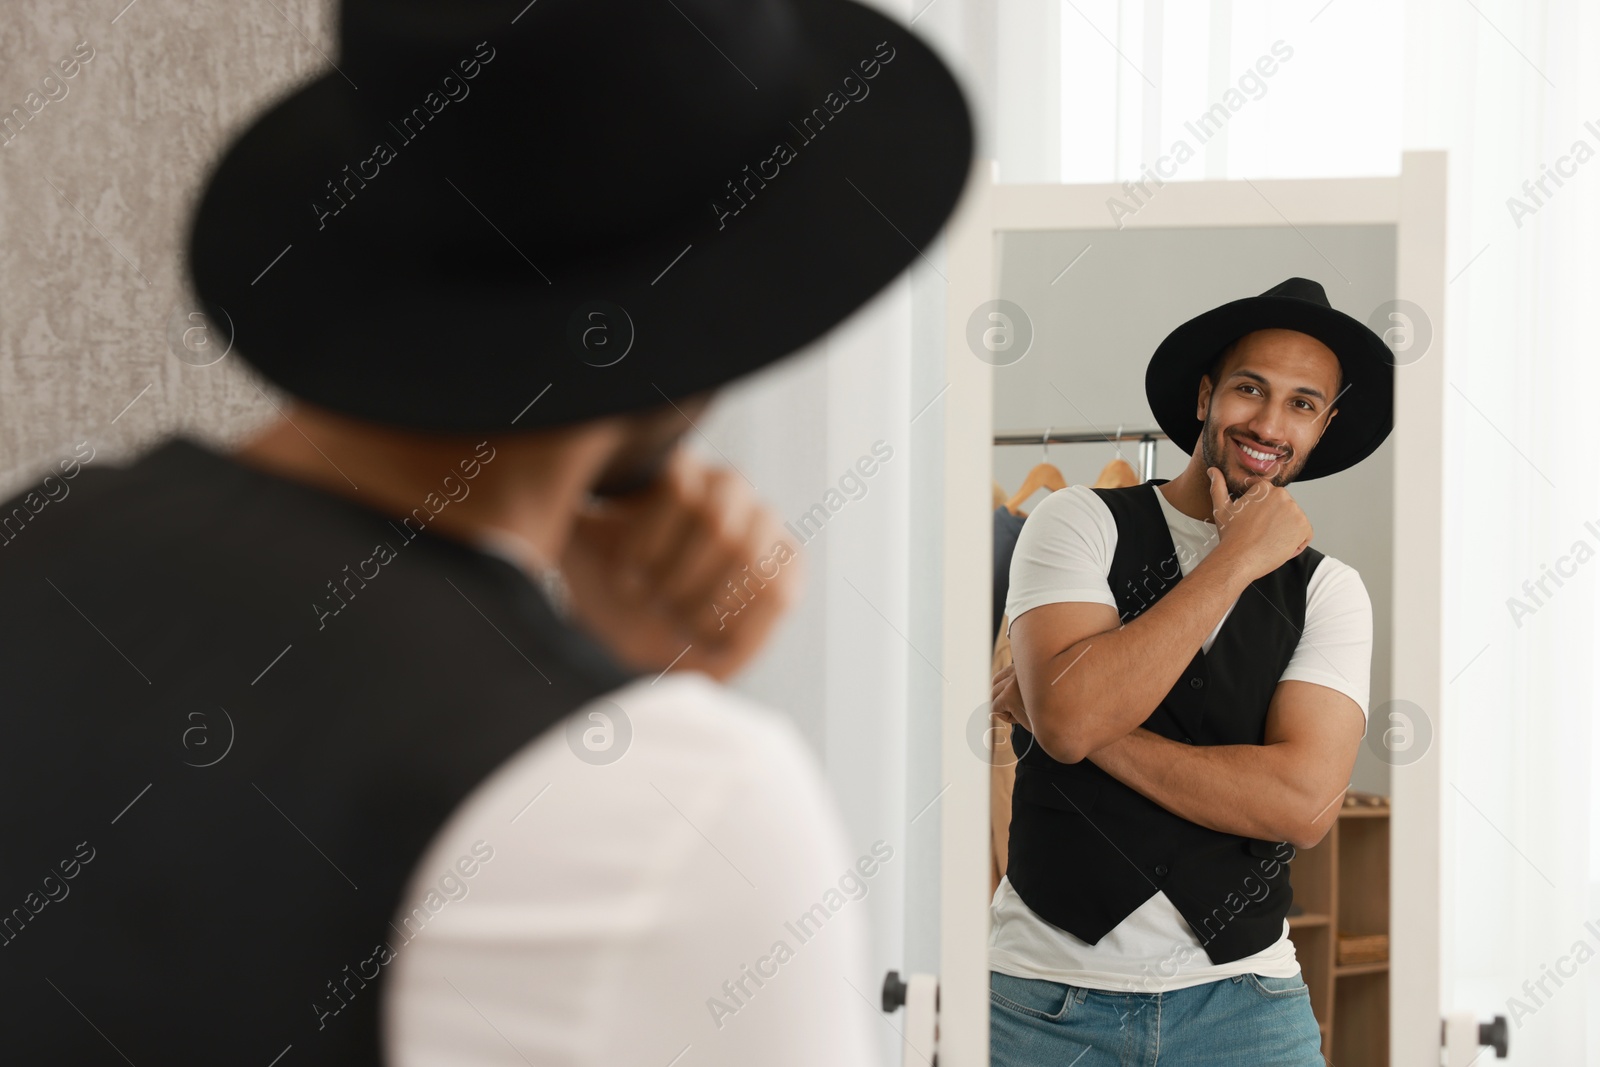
<point>1138,77</point>
<point>840,663</point>
<point>857,663</point>
<point>1509,89</point>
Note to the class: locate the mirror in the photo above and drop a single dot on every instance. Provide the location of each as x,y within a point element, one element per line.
<point>1081,312</point>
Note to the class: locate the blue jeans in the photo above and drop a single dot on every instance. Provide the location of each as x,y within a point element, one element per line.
<point>1233,1022</point>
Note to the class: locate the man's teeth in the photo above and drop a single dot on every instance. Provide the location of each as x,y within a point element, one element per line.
<point>1262,456</point>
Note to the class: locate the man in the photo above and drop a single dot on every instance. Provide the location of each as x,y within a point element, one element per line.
<point>1189,689</point>
<point>395,735</point>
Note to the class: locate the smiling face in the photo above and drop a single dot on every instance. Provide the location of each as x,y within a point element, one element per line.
<point>1268,405</point>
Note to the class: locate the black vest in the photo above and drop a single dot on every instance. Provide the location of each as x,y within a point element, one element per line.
<point>1085,850</point>
<point>214,792</point>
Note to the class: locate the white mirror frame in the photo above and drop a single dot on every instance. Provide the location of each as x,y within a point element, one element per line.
<point>1414,202</point>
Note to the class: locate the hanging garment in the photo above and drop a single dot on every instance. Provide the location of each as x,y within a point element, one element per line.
<point>1007,527</point>
<point>1002,772</point>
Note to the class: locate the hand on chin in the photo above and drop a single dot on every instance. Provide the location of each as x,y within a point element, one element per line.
<point>691,574</point>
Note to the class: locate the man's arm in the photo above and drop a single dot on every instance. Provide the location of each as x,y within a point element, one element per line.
<point>1286,789</point>
<point>1086,682</point>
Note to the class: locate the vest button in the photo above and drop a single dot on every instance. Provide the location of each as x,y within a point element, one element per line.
<point>1161,870</point>
<point>1188,740</point>
<point>1196,683</point>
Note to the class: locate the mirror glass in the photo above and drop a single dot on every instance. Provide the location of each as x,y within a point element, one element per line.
<point>1089,307</point>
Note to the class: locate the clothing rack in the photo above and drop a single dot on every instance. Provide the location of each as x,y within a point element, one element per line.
<point>1051,436</point>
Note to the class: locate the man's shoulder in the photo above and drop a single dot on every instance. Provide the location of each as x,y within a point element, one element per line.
<point>688,717</point>
<point>82,496</point>
<point>209,568</point>
<point>1076,505</point>
<point>178,497</point>
<point>1334,574</point>
<point>1336,595</point>
<point>680,755</point>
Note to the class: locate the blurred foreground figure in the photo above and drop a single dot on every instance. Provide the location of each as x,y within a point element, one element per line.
<point>397,735</point>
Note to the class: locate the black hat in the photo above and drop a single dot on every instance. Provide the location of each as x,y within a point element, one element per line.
<point>597,205</point>
<point>1366,402</point>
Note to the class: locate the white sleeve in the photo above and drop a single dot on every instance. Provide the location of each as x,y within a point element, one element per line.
<point>620,897</point>
<point>1335,648</point>
<point>764,932</point>
<point>1063,553</point>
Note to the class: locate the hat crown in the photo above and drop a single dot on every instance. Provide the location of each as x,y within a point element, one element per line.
<point>562,147</point>
<point>385,39</point>
<point>1300,289</point>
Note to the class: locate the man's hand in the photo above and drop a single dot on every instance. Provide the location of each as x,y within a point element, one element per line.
<point>650,575</point>
<point>1006,698</point>
<point>1265,528</point>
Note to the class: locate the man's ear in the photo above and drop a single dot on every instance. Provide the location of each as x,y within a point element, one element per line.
<point>1203,398</point>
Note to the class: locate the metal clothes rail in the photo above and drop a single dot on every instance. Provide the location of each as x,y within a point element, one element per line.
<point>1051,436</point>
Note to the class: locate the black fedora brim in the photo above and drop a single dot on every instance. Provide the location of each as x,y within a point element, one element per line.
<point>1365,404</point>
<point>351,315</point>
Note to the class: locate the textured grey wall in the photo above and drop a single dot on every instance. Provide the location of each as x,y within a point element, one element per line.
<point>96,189</point>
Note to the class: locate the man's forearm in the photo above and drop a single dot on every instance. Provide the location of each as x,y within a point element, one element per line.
<point>1252,790</point>
<point>1100,688</point>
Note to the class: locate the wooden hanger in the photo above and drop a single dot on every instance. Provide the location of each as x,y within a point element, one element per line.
<point>1043,476</point>
<point>1117,473</point>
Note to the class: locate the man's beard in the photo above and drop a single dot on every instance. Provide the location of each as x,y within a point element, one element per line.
<point>1217,450</point>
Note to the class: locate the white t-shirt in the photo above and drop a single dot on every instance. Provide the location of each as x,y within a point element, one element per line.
<point>1063,555</point>
<point>692,902</point>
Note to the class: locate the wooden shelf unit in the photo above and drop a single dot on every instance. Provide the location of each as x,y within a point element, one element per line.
<point>1343,885</point>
